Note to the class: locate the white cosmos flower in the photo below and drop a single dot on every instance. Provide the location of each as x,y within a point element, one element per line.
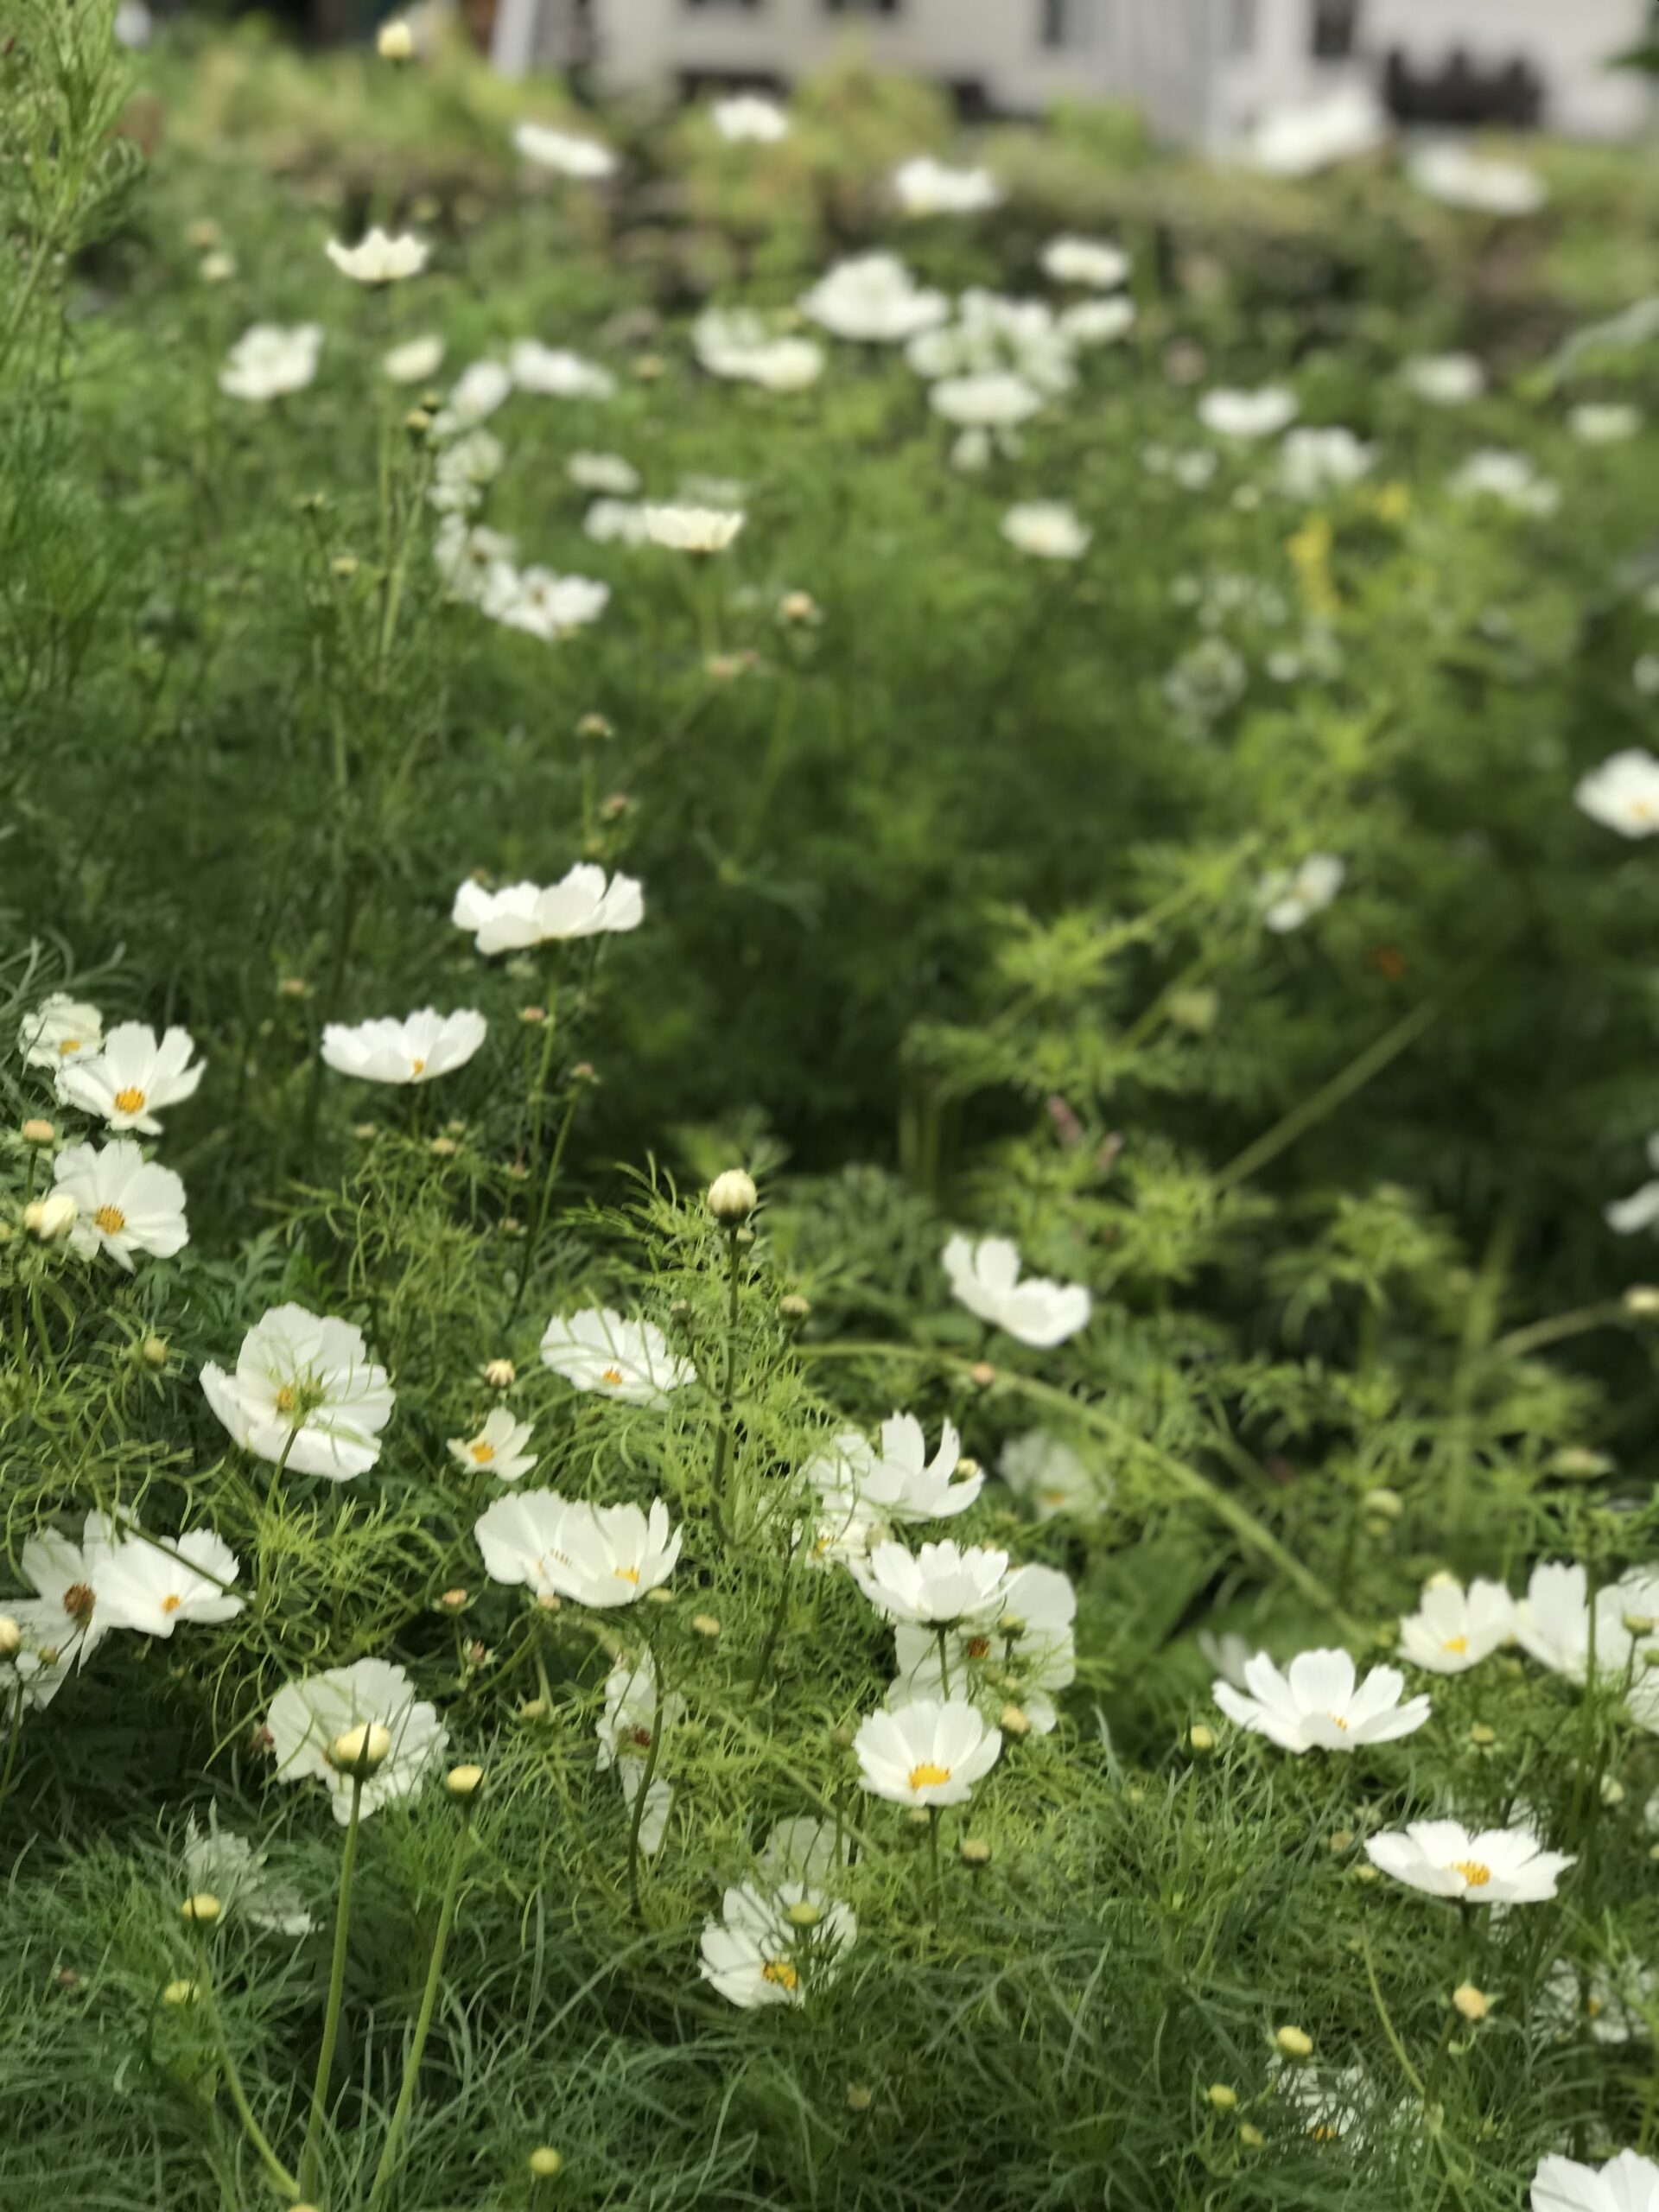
<point>467,555</point>
<point>545,606</point>
<point>60,1030</point>
<point>464,470</point>
<point>1022,1656</point>
<point>1094,261</point>
<point>873,300</point>
<point>928,1753</point>
<point>616,522</point>
<point>739,345</point>
<point>1229,1653</point>
<point>140,1585</point>
<point>1454,1629</point>
<point>1315,134</point>
<point>123,1203</point>
<point>416,361</point>
<point>601,1555</point>
<point>418,1049</point>
<point>64,1624</point>
<point>580,904</point>
<point>895,1478</point>
<point>985,1278</point>
<point>1641,1210</point>
<point>805,1848</point>
<point>1047,1475</point>
<point>1312,463</point>
<point>755,1955</point>
<point>603,471</point>
<point>563,151</point>
<point>498,1447</point>
<point>1047,530</point>
<point>626,1728</point>
<point>1628,2182</point>
<point>477,393</point>
<point>1316,1705</point>
<point>1289,897</point>
<point>1098,322</point>
<point>1444,1859</point>
<point>306,1717</point>
<point>992,334</point>
<point>997,400</point>
<point>132,1077</point>
<point>1484,185</point>
<point>1608,425</point>
<point>846,1527</point>
<point>1615,2009</point>
<point>1511,479</point>
<point>268,361</point>
<point>747,119</point>
<point>925,186</point>
<point>692,529</point>
<point>1623,794</point>
<point>937,1586</point>
<point>555,373</point>
<point>305,1393</point>
<point>598,1349</point>
<point>1556,1623</point>
<point>228,1866</point>
<point>378,259</point>
<point>1248,414</point>
<point>1444,380</point>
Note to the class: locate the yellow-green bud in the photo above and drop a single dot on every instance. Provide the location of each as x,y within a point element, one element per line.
<point>1294,2042</point>
<point>1200,1739</point>
<point>804,1914</point>
<point>859,2099</point>
<point>395,41</point>
<point>1221,2096</point>
<point>733,1198</point>
<point>361,1750</point>
<point>464,1782</point>
<point>11,1637</point>
<point>179,1993</point>
<point>34,1131</point>
<point>1471,2003</point>
<point>545,2161</point>
<point>976,1851</point>
<point>202,1910</point>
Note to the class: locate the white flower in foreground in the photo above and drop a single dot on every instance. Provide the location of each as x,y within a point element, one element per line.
<point>228,1866</point>
<point>544,605</point>
<point>498,1448</point>
<point>1047,1475</point>
<point>600,1555</point>
<point>123,1203</point>
<point>747,119</point>
<point>602,472</point>
<point>925,186</point>
<point>1316,1705</point>
<point>1096,322</point>
<point>895,1479</point>
<point>1444,380</point>
<point>417,1050</point>
<point>775,1949</point>
<point>1094,261</point>
<point>1022,1656</point>
<point>873,300</point>
<point>378,259</point>
<point>598,1349</point>
<point>141,1585</point>
<point>928,1753</point>
<point>580,904</point>
<point>1556,1623</point>
<point>1628,2182</point>
<point>60,1031</point>
<point>997,400</point>
<point>937,1586</point>
<point>268,361</point>
<point>416,361</point>
<point>1511,479</point>
<point>478,391</point>
<point>1248,414</point>
<point>306,1717</point>
<point>64,1624</point>
<point>305,1393</point>
<point>555,373</point>
<point>985,1278</point>
<point>564,151</point>
<point>1047,530</point>
<point>132,1076</point>
<point>1477,182</point>
<point>1608,425</point>
<point>1454,1629</point>
<point>1623,794</point>
<point>1290,897</point>
<point>1443,1860</point>
<point>1312,463</point>
<point>1641,1210</point>
<point>627,1728</point>
<point>1315,134</point>
<point>692,529</point>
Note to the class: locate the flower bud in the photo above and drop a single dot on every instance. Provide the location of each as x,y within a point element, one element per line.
<point>731,1198</point>
<point>453,1601</point>
<point>202,1910</point>
<point>804,1914</point>
<point>798,606</point>
<point>859,2099</point>
<point>417,421</point>
<point>395,41</point>
<point>35,1131</point>
<point>595,726</point>
<point>443,1148</point>
<point>1013,1720</point>
<point>976,1851</point>
<point>706,1624</point>
<point>1251,2138</point>
<point>464,1782</point>
<point>1642,1301</point>
<point>545,2161</point>
<point>1472,2002</point>
<point>1480,1733</point>
<point>360,1751</point>
<point>345,566</point>
<point>1294,2042</point>
<point>793,1308</point>
<point>1200,1739</point>
<point>982,1374</point>
<point>154,1352</point>
<point>11,1637</point>
<point>50,1218</point>
<point>500,1373</point>
<point>1383,1504</point>
<point>1223,2098</point>
<point>179,1993</point>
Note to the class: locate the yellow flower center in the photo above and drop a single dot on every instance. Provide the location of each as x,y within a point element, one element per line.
<point>69,1045</point>
<point>130,1100</point>
<point>1455,1644</point>
<point>170,1603</point>
<point>1323,2131</point>
<point>927,1776</point>
<point>111,1220</point>
<point>482,1451</point>
<point>1337,1721</point>
<point>626,1574</point>
<point>613,1376</point>
<point>1472,1871</point>
<point>287,1399</point>
<point>781,1972</point>
<point>417,1067</point>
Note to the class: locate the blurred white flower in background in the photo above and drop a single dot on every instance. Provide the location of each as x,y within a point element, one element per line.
<point>873,300</point>
<point>268,361</point>
<point>746,118</point>
<point>985,1278</point>
<point>738,344</point>
<point>1623,794</point>
<point>564,152</point>
<point>1248,414</point>
<point>555,373</point>
<point>378,260</point>
<point>1481,183</point>
<point>60,1031</point>
<point>925,186</point>
<point>1094,261</point>
<point>1047,530</point>
<point>414,361</point>
<point>478,391</point>
<point>1289,898</point>
<point>583,902</point>
<point>693,529</point>
<point>1315,134</point>
<point>1454,1629</point>
<point>1512,479</point>
<point>417,1049</point>
<point>1313,463</point>
<point>602,472</point>
<point>1444,380</point>
<point>1606,423</point>
<point>1046,1474</point>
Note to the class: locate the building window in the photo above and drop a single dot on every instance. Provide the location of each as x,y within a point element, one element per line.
<point>1335,29</point>
<point>1241,29</point>
<point>1074,24</point>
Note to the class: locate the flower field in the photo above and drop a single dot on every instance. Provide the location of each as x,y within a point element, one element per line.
<point>827,1306</point>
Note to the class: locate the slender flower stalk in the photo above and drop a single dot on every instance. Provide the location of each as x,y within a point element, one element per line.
<point>728,1387</point>
<point>648,1775</point>
<point>311,2156</point>
<point>256,2137</point>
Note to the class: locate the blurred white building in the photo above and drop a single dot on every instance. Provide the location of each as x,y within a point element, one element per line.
<point>1205,72</point>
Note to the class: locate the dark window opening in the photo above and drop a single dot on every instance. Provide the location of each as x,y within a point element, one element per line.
<point>1335,31</point>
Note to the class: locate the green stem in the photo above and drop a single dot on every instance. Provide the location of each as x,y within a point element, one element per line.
<point>723,1440</point>
<point>648,1775</point>
<point>311,2156</point>
<point>13,1737</point>
<point>251,2127</point>
<point>424,2024</point>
